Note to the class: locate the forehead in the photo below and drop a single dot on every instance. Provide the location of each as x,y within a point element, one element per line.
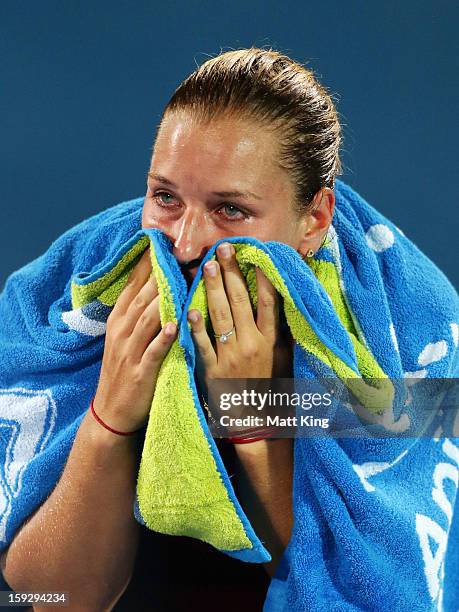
<point>226,148</point>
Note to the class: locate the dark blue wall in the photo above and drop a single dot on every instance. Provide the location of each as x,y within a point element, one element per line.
<point>83,85</point>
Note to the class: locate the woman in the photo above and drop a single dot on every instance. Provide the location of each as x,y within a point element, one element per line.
<point>247,146</point>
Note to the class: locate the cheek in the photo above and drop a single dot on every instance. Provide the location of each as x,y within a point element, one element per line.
<point>278,228</point>
<point>287,230</point>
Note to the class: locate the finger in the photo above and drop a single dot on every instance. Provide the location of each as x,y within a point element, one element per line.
<point>267,306</point>
<point>138,305</point>
<point>146,329</point>
<point>201,339</point>
<point>219,308</point>
<point>138,276</point>
<point>159,347</point>
<point>236,289</point>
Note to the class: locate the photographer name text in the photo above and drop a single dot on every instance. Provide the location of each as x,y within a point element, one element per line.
<point>274,421</point>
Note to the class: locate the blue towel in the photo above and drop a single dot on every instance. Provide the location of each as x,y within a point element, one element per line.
<point>374,518</point>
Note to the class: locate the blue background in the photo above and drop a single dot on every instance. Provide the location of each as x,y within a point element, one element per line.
<point>83,85</point>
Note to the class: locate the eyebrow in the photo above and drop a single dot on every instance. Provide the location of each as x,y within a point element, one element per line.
<point>222,194</point>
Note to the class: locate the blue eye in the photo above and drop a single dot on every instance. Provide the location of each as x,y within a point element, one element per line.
<point>160,194</point>
<point>232,212</point>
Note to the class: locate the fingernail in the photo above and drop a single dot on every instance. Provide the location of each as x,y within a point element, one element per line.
<point>170,329</point>
<point>225,249</point>
<point>193,316</point>
<point>211,268</point>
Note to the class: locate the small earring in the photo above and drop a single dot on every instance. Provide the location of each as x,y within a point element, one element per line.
<point>310,253</point>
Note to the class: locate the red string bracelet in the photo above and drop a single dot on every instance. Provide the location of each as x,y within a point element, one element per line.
<point>266,434</point>
<point>99,420</point>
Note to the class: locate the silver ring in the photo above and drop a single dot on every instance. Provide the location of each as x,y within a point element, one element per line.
<point>224,337</point>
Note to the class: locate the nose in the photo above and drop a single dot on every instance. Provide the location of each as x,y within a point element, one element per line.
<point>191,237</point>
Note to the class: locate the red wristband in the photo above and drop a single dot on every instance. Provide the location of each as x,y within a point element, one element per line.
<point>99,420</point>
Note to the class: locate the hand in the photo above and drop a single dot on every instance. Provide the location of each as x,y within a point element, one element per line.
<point>249,351</point>
<point>135,347</point>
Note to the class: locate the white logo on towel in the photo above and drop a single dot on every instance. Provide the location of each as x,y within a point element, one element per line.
<point>380,237</point>
<point>78,321</point>
<point>393,335</point>
<point>434,351</point>
<point>24,415</point>
<point>429,530</point>
<point>372,468</point>
<point>455,333</point>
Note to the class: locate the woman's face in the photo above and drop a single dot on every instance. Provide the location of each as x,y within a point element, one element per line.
<point>209,181</point>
